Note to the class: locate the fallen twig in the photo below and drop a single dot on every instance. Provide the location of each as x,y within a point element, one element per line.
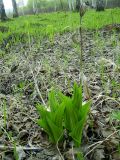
<point>37,88</point>
<point>36,149</point>
<point>97,144</point>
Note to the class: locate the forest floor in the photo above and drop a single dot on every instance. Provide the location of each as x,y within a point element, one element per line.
<point>27,68</point>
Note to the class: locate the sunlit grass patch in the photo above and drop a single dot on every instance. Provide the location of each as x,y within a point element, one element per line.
<point>41,25</point>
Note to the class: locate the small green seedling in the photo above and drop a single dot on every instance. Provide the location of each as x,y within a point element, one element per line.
<point>116,115</point>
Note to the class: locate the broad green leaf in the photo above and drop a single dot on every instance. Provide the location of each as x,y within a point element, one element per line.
<point>71,116</point>
<point>43,123</point>
<point>61,97</point>
<point>59,115</point>
<point>77,97</point>
<point>53,101</point>
<point>83,111</point>
<point>76,133</point>
<point>51,115</point>
<point>42,111</point>
<point>57,132</point>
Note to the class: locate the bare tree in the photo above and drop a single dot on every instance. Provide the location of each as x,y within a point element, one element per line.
<point>2,11</point>
<point>15,10</point>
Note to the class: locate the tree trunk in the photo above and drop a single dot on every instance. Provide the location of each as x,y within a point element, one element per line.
<point>73,8</point>
<point>35,8</point>
<point>93,4</point>
<point>69,3</point>
<point>15,11</point>
<point>61,5</point>
<point>2,11</point>
<point>100,5</point>
<point>77,5</point>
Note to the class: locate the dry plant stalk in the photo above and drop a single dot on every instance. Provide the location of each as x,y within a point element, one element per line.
<point>82,11</point>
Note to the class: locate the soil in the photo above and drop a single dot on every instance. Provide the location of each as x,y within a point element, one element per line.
<point>56,64</point>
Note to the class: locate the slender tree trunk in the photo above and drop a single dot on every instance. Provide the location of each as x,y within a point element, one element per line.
<point>78,5</point>
<point>73,5</point>
<point>69,3</point>
<point>100,6</point>
<point>35,8</point>
<point>106,3</point>
<point>15,10</point>
<point>2,11</point>
<point>61,5</point>
<point>93,5</point>
<point>55,6</point>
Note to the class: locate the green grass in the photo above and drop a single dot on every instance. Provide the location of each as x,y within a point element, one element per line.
<point>59,22</point>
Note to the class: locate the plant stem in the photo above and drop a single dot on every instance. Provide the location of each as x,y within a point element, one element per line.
<point>81,49</point>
